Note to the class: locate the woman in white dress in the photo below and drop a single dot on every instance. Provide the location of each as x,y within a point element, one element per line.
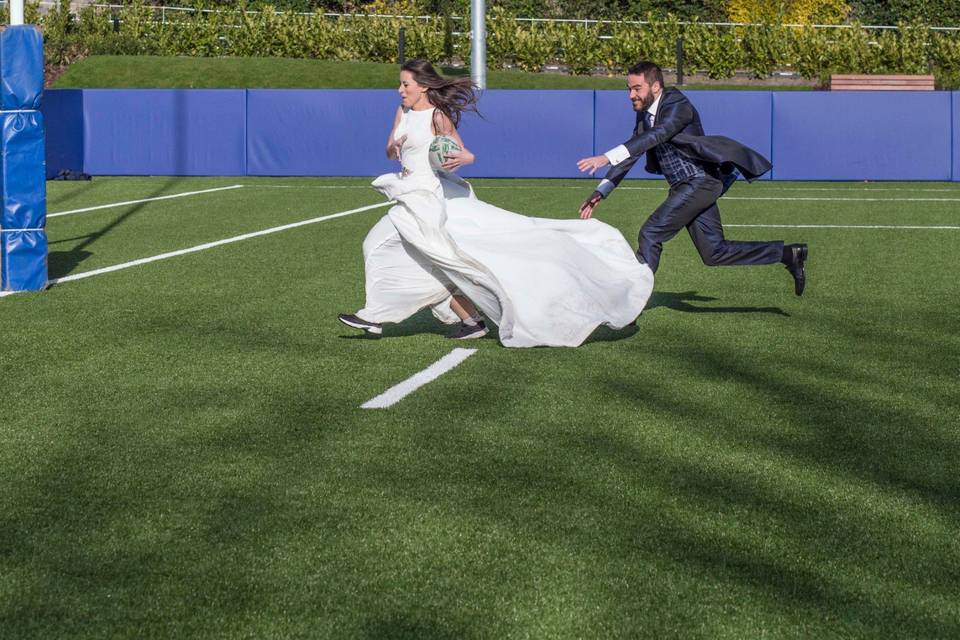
<point>544,282</point>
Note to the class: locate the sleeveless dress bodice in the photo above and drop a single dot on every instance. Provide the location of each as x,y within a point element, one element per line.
<point>415,154</point>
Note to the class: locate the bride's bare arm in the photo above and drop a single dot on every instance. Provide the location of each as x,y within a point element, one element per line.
<point>393,146</point>
<point>456,159</point>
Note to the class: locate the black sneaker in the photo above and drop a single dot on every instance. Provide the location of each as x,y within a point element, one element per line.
<point>359,323</point>
<point>466,331</point>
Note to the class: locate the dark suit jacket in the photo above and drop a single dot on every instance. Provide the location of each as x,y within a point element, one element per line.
<point>678,122</point>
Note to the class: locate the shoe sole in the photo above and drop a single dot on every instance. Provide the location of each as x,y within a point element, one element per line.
<point>364,327</point>
<point>478,334</point>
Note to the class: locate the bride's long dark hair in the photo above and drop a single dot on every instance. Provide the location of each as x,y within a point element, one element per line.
<point>451,96</point>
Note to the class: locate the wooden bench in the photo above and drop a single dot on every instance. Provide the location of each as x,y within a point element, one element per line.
<point>881,83</point>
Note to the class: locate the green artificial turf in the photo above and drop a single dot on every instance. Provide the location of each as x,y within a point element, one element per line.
<point>212,73</point>
<point>184,454</point>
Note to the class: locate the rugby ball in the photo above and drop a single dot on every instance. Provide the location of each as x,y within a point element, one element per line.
<point>439,149</point>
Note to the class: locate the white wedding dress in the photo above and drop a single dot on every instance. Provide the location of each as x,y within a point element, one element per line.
<point>542,281</point>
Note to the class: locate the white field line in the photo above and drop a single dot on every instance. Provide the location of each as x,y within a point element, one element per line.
<point>758,188</point>
<point>483,188</point>
<point>122,204</point>
<point>843,226</point>
<point>202,247</point>
<point>765,187</point>
<point>784,198</point>
<point>309,186</point>
<point>398,392</point>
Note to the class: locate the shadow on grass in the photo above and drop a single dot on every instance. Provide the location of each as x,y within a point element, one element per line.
<point>680,301</point>
<point>424,323</point>
<point>260,505</point>
<point>63,263</point>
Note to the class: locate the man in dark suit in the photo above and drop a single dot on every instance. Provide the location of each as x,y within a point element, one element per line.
<point>699,169</point>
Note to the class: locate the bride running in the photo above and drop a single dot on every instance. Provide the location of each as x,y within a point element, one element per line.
<point>541,281</point>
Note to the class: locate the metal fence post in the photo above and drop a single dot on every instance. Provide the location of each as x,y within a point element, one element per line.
<point>680,58</point>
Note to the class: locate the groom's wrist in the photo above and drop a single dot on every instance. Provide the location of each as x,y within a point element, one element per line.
<point>617,155</point>
<point>604,188</point>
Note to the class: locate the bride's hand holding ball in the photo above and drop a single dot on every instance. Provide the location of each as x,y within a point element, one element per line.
<point>447,154</point>
<point>457,159</point>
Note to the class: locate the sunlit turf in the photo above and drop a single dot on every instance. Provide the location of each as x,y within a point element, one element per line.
<point>182,72</point>
<point>184,453</point>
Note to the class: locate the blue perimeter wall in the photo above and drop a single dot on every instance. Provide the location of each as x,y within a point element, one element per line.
<point>522,134</point>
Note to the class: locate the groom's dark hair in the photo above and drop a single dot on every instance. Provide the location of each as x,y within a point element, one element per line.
<point>650,72</point>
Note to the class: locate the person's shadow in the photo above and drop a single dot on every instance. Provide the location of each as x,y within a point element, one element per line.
<point>680,301</point>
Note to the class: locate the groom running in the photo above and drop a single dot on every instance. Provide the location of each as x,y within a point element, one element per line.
<point>699,169</point>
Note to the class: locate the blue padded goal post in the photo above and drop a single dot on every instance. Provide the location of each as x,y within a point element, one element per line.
<point>23,238</point>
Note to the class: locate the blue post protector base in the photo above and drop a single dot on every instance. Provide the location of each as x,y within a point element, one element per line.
<point>23,260</point>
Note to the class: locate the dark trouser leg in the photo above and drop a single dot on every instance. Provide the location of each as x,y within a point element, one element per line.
<point>684,203</point>
<point>707,234</point>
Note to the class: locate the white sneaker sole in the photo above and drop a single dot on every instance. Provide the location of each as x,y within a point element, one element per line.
<point>478,334</point>
<point>365,327</point>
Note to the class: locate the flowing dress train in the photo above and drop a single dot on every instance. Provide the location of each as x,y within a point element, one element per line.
<point>542,281</point>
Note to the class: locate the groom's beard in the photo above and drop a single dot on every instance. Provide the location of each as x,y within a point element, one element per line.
<point>644,103</point>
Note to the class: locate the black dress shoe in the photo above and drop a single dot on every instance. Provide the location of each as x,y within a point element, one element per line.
<point>797,254</point>
<point>359,323</point>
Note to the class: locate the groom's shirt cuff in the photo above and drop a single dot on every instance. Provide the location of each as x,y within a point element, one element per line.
<point>617,155</point>
<point>605,187</point>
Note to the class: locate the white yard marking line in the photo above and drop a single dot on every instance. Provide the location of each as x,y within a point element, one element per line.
<point>842,226</point>
<point>206,245</point>
<point>758,188</point>
<point>878,189</point>
<point>398,392</point>
<point>809,199</point>
<point>123,204</point>
<point>309,186</point>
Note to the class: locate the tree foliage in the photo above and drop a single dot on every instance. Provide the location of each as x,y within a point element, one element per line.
<point>788,11</point>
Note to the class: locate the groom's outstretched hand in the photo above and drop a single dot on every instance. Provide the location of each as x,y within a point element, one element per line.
<point>592,163</point>
<point>586,209</point>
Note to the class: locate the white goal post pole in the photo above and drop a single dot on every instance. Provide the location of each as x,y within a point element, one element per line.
<point>16,12</point>
<point>478,49</point>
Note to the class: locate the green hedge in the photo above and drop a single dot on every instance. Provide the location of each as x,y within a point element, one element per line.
<point>583,48</point>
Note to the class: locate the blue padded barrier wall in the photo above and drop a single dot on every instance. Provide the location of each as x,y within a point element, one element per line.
<point>344,133</point>
<point>63,118</point>
<point>807,135</point>
<point>21,68</point>
<point>955,103</point>
<point>528,134</point>
<point>742,115</point>
<point>317,132</point>
<point>185,132</point>
<point>861,135</point>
